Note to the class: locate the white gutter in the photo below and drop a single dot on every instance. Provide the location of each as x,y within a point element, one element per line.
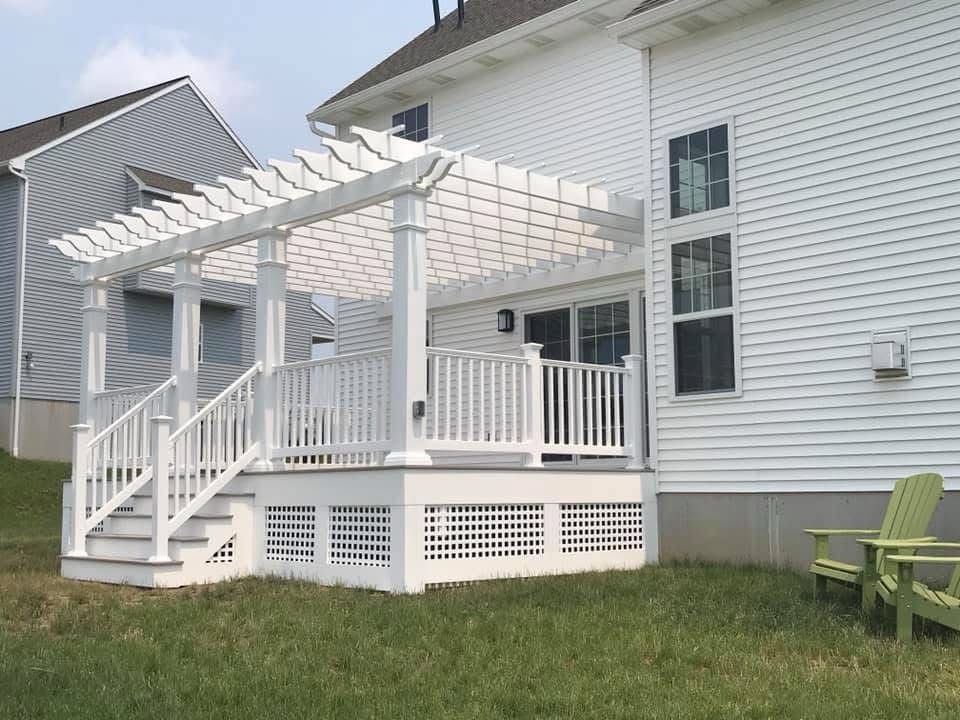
<point>21,283</point>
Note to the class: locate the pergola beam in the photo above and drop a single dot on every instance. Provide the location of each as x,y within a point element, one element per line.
<point>353,195</point>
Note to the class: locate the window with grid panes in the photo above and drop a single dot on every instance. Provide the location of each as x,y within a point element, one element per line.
<point>415,123</point>
<point>699,172</point>
<point>702,297</point>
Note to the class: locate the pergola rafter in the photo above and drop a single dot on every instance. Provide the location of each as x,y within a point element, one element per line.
<point>486,220</point>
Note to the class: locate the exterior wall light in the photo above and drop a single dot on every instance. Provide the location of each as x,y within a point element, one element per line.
<point>505,321</point>
<point>28,361</point>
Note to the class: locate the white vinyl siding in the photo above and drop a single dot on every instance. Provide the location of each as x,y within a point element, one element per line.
<point>577,105</point>
<point>847,139</point>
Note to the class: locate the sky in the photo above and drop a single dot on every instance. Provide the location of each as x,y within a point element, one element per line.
<point>264,64</point>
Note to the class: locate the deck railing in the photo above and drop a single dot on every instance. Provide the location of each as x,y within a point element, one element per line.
<point>335,410</point>
<point>476,399</point>
<point>110,405</point>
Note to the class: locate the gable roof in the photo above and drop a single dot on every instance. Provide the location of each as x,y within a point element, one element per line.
<point>22,139</point>
<point>152,180</point>
<point>482,19</point>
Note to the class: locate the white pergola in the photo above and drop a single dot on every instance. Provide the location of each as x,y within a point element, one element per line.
<point>373,217</point>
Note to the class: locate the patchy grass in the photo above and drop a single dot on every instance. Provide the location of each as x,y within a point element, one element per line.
<point>681,641</point>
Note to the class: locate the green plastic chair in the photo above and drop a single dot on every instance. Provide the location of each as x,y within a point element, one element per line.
<point>908,514</point>
<point>911,598</point>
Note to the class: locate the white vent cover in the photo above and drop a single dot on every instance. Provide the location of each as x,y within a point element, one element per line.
<point>890,354</point>
<point>359,535</point>
<point>601,527</point>
<point>291,532</point>
<point>455,532</point>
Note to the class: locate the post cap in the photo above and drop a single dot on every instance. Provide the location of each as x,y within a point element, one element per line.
<point>161,419</point>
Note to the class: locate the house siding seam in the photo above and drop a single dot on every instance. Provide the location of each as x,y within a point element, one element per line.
<point>84,180</point>
<point>9,232</point>
<point>575,106</point>
<point>847,139</point>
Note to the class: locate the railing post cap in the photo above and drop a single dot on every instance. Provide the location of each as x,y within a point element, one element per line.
<point>531,348</point>
<point>633,358</point>
<point>158,419</point>
<point>80,427</point>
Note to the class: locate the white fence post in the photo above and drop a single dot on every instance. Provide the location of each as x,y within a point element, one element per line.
<point>81,440</point>
<point>633,402</point>
<point>408,367</point>
<point>185,357</point>
<point>160,431</point>
<point>534,405</point>
<point>270,340</point>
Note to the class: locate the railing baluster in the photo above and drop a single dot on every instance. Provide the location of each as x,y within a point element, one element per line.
<point>551,438</point>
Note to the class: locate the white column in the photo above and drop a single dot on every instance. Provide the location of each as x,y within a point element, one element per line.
<point>160,534</point>
<point>185,359</point>
<point>408,364</point>
<point>633,403</point>
<point>93,353</point>
<point>271,332</point>
<point>534,401</point>
<point>82,435</point>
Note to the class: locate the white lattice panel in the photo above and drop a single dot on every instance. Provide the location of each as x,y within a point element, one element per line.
<point>224,554</point>
<point>359,535</point>
<point>455,532</point>
<point>291,532</point>
<point>601,527</point>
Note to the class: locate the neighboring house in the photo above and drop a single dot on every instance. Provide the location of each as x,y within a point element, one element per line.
<point>799,162</point>
<point>69,170</point>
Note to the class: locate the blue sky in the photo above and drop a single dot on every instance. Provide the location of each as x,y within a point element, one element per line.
<point>264,64</point>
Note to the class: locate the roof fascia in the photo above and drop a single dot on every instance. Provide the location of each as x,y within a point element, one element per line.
<point>482,47</point>
<point>654,16</point>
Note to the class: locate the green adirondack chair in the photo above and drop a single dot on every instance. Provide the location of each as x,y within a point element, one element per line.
<point>908,513</point>
<point>910,597</point>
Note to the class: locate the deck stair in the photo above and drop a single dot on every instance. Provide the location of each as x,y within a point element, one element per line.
<point>129,477</point>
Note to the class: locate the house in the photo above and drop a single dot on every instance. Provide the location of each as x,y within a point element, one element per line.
<point>798,161</point>
<point>69,170</point>
<point>678,279</point>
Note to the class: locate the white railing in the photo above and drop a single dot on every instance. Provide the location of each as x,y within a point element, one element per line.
<point>335,410</point>
<point>476,399</point>
<point>209,447</point>
<point>583,408</point>
<point>115,462</point>
<point>110,405</point>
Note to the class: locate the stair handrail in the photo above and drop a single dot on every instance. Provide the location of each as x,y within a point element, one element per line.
<point>166,385</point>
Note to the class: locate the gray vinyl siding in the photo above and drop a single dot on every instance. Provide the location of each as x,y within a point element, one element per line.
<point>9,223</point>
<point>83,180</point>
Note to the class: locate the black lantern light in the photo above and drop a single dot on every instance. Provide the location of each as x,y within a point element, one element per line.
<point>505,321</point>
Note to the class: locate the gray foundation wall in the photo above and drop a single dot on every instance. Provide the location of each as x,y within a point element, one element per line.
<point>44,428</point>
<point>767,529</point>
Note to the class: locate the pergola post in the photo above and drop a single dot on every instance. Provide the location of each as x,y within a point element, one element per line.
<point>408,365</point>
<point>271,333</point>
<point>93,353</point>
<point>185,351</point>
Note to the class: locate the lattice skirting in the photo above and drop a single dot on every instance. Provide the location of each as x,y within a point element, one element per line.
<point>414,546</point>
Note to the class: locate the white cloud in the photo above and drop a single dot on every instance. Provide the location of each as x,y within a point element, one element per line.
<point>130,63</point>
<point>25,7</point>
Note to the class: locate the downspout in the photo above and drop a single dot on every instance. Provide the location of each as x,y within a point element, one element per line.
<point>21,292</point>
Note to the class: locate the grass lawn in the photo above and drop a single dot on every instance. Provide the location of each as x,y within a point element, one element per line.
<point>681,641</point>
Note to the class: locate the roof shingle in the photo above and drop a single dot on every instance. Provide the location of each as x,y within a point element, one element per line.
<point>22,139</point>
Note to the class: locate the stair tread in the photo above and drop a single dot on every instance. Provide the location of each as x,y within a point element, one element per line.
<point>135,536</point>
<point>222,493</point>
<point>132,561</point>
<point>198,516</point>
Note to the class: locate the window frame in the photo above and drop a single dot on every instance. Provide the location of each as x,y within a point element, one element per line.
<point>429,104</point>
<point>680,131</point>
<point>200,350</point>
<point>698,233</point>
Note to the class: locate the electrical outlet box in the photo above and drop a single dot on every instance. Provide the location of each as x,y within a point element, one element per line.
<point>419,408</point>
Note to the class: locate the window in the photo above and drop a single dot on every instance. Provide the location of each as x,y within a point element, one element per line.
<point>415,123</point>
<point>321,347</point>
<point>200,344</point>
<point>703,341</point>
<point>699,172</point>
<point>604,333</point>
